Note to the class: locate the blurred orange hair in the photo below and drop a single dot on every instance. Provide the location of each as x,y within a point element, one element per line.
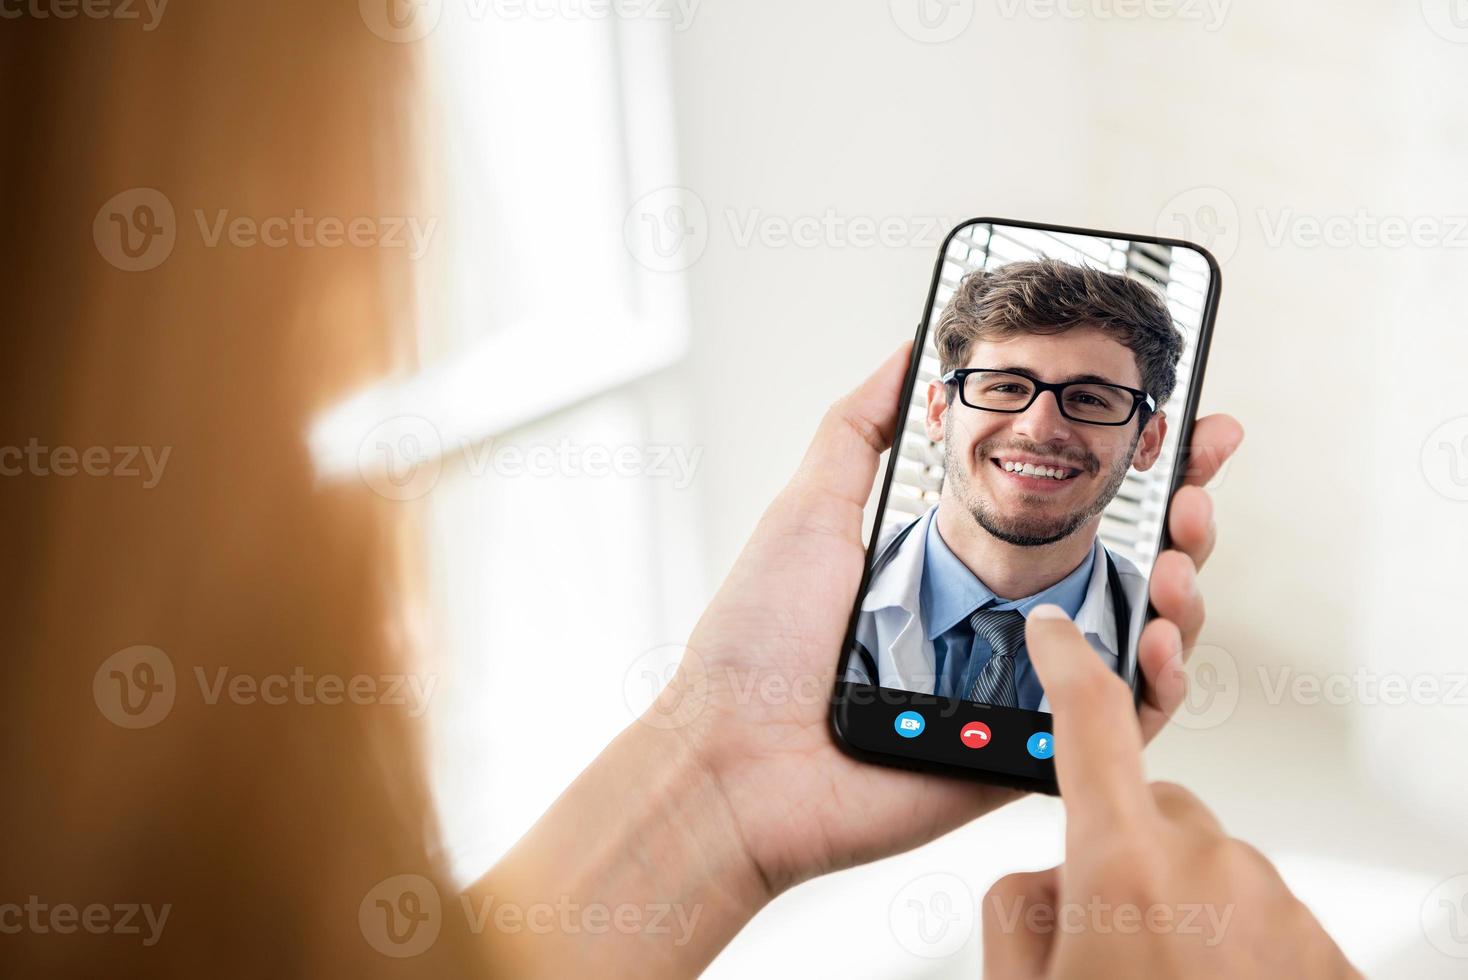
<point>262,826</point>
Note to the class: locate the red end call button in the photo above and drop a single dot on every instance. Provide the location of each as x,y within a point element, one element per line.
<point>975,735</point>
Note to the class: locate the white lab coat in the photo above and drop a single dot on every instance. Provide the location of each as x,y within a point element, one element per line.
<point>890,625</point>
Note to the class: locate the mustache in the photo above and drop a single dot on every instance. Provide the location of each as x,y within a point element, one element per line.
<point>1069,455</point>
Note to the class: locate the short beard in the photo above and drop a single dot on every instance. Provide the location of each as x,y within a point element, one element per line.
<point>1031,533</point>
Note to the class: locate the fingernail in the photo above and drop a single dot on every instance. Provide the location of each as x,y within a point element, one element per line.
<point>1048,611</point>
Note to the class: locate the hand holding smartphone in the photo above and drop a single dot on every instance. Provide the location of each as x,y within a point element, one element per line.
<point>1042,432</point>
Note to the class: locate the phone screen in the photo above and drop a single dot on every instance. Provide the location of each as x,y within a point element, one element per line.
<point>1055,377</point>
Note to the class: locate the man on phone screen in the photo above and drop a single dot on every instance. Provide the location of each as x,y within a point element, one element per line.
<point>1051,381</point>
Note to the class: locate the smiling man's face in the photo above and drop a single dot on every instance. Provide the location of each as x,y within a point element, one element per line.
<point>1035,477</point>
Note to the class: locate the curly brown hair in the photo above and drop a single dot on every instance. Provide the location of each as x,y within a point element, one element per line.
<point>1050,296</point>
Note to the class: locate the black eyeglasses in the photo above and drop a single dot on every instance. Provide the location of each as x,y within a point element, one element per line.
<point>1091,402</point>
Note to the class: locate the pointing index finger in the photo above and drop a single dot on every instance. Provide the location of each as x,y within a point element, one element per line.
<point>1098,743</point>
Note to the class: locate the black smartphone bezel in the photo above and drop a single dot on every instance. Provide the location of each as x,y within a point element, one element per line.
<point>872,700</point>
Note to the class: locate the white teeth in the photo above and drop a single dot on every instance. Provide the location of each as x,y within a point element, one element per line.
<point>1030,469</point>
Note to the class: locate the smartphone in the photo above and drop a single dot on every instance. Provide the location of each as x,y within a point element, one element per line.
<point>1043,428</point>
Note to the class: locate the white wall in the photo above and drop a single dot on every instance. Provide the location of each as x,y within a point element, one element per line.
<point>1335,550</point>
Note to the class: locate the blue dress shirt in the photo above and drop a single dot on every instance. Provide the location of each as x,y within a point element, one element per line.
<point>950,594</point>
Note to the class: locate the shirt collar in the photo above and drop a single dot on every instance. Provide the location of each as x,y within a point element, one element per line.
<point>1096,617</point>
<point>950,592</point>
<point>1069,593</point>
<point>896,584</point>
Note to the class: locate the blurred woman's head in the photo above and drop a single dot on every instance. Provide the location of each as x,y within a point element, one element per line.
<point>167,533</point>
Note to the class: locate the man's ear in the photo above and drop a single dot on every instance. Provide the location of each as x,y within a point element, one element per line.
<point>937,405</point>
<point>1149,446</point>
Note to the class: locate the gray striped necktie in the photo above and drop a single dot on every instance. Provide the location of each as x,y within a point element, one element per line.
<point>1005,632</point>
